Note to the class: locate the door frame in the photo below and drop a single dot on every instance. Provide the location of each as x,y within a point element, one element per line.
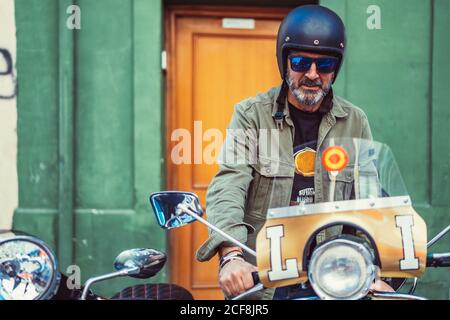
<point>171,13</point>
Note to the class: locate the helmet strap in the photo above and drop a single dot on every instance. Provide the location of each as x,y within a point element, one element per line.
<point>281,100</point>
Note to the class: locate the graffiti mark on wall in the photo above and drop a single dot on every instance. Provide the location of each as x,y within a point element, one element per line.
<point>8,85</point>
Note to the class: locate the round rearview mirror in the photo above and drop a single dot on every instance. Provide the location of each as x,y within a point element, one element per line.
<point>28,268</point>
<point>171,208</point>
<point>149,262</point>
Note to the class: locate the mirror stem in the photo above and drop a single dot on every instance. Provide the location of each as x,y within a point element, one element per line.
<point>187,210</point>
<point>438,236</point>
<point>121,273</point>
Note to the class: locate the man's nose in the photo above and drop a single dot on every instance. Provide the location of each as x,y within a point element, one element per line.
<point>312,72</point>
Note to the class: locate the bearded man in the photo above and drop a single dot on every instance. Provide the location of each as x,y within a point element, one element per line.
<point>310,51</point>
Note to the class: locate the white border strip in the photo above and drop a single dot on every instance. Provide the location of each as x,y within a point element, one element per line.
<point>338,206</point>
<point>8,123</point>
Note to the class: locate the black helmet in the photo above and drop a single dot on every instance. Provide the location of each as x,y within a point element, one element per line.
<point>311,28</point>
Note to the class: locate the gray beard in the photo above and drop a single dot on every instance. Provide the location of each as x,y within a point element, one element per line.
<point>307,97</point>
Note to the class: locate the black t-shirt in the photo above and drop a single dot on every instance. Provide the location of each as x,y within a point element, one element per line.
<point>305,144</point>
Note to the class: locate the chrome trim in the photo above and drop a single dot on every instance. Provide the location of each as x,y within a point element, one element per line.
<point>369,275</point>
<point>121,273</point>
<point>307,298</point>
<point>338,206</point>
<point>53,285</point>
<point>395,296</point>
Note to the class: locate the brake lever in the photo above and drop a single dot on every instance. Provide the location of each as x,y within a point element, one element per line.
<point>249,292</point>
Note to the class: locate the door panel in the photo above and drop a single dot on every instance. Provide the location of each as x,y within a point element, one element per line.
<point>220,81</point>
<point>210,69</point>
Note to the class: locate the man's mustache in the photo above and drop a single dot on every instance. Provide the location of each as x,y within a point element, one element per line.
<point>310,83</point>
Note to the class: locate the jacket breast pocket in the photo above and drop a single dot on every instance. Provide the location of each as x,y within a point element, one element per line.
<point>271,186</point>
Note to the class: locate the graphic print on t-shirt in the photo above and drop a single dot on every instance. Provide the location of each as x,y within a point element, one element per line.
<point>304,161</point>
<point>304,158</point>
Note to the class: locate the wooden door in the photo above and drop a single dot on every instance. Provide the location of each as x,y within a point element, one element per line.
<point>210,69</point>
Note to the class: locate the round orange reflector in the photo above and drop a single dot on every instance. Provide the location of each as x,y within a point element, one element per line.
<point>334,158</point>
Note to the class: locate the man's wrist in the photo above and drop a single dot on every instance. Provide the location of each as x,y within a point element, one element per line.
<point>223,251</point>
<point>229,257</point>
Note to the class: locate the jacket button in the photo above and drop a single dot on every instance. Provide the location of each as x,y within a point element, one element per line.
<point>267,170</point>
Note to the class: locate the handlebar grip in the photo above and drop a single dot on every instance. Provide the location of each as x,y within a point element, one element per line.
<point>438,260</point>
<point>255,277</point>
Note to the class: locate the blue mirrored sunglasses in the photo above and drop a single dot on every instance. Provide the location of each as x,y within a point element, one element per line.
<point>323,65</point>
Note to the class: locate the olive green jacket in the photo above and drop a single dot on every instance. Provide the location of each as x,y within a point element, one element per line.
<point>238,197</point>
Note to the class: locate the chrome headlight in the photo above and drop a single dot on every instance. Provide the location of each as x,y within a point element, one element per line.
<point>28,269</point>
<point>341,269</point>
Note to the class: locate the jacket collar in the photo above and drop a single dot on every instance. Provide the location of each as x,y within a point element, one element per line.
<point>337,110</point>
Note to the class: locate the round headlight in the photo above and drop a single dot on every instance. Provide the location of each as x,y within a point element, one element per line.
<point>28,269</point>
<point>341,269</point>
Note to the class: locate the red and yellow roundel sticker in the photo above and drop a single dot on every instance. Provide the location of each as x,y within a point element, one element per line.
<point>334,158</point>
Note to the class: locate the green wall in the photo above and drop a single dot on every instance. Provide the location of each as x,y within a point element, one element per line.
<point>399,76</point>
<point>101,85</point>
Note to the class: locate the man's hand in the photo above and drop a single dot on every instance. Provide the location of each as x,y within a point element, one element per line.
<point>236,277</point>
